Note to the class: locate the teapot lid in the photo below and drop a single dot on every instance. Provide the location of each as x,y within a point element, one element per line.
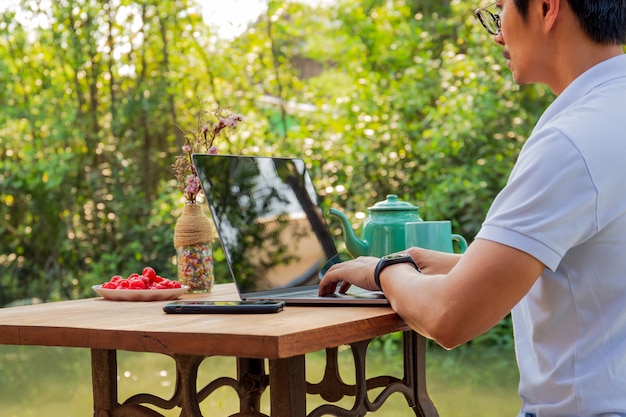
<point>392,203</point>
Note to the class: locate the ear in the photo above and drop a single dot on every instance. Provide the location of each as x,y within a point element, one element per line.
<point>550,9</point>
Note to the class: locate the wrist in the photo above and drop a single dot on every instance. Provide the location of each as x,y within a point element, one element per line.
<point>389,260</point>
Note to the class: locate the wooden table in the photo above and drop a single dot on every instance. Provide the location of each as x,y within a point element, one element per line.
<point>283,339</point>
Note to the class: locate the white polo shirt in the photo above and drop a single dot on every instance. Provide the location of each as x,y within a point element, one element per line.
<point>565,204</point>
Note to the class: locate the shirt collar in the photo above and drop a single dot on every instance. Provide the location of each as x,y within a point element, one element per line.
<point>599,74</point>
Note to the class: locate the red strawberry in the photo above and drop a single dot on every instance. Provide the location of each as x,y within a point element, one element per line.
<point>150,273</point>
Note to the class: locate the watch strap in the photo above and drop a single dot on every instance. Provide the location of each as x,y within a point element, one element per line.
<point>388,260</point>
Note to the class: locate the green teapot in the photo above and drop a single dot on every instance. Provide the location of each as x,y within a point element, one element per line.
<point>383,230</point>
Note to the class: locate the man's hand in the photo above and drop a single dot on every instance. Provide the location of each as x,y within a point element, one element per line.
<point>433,262</point>
<point>359,272</point>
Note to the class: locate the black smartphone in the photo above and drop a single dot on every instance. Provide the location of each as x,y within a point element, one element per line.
<point>223,307</point>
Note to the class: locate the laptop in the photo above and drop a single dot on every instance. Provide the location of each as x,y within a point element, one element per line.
<point>273,232</point>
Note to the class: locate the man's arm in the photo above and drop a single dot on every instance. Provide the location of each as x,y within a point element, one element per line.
<point>454,307</point>
<point>479,291</point>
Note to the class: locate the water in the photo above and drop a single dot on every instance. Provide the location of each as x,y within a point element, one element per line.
<point>56,382</point>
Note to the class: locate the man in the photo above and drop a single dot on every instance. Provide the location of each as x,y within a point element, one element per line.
<point>553,246</point>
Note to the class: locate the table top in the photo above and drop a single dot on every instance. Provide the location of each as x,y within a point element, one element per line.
<point>143,326</point>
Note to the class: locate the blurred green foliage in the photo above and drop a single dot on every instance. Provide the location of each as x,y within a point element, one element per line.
<point>396,96</point>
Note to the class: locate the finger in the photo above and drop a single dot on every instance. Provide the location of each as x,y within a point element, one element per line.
<point>345,286</point>
<point>327,288</point>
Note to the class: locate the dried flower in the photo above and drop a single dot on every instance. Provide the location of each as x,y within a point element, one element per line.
<point>210,125</point>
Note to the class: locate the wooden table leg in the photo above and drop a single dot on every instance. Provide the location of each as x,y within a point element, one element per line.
<point>288,387</point>
<point>104,381</point>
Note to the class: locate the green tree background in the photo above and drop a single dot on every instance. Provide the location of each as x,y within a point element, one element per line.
<point>377,96</point>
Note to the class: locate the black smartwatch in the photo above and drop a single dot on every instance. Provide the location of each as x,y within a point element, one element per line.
<point>396,258</point>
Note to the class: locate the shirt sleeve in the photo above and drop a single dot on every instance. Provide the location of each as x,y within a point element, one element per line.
<point>549,203</point>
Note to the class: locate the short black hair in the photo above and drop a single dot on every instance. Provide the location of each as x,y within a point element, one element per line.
<point>604,21</point>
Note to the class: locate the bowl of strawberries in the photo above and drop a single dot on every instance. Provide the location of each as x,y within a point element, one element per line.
<point>144,286</point>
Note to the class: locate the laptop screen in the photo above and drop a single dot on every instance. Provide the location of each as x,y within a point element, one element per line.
<point>267,215</point>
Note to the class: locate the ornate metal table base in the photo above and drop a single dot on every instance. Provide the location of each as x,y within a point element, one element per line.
<point>286,379</point>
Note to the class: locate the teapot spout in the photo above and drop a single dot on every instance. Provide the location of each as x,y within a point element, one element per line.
<point>355,246</point>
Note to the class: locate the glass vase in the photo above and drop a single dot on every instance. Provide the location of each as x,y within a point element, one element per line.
<point>193,240</point>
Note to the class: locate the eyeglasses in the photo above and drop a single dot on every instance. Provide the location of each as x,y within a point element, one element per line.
<point>490,20</point>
